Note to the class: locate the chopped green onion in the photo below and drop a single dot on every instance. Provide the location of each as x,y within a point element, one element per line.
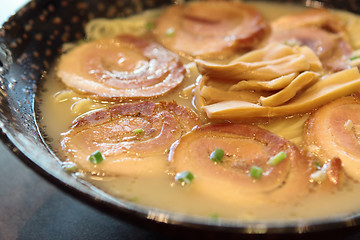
<point>138,131</point>
<point>256,172</point>
<point>354,58</point>
<point>185,177</point>
<point>217,155</point>
<point>318,176</point>
<point>291,42</point>
<point>149,25</point>
<point>170,32</point>
<point>275,160</point>
<point>134,199</point>
<point>96,157</point>
<point>317,165</point>
<point>70,167</point>
<point>214,216</point>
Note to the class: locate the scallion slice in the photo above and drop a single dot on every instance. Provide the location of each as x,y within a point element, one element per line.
<point>134,199</point>
<point>184,176</point>
<point>256,172</point>
<point>96,157</point>
<point>217,155</point>
<point>318,165</point>
<point>275,160</point>
<point>149,25</point>
<point>292,43</point>
<point>170,32</point>
<point>354,58</point>
<point>214,216</point>
<point>138,131</point>
<point>70,167</point>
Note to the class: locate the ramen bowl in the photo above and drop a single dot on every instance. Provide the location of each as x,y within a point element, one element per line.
<point>30,42</point>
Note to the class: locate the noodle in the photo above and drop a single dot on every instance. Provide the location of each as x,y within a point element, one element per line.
<point>108,28</point>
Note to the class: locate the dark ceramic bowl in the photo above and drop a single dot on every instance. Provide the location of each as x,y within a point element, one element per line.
<point>30,41</point>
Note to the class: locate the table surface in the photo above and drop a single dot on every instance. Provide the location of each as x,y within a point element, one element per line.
<point>31,208</point>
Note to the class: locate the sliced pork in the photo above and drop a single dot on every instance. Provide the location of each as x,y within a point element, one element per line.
<point>133,138</point>
<point>244,147</point>
<point>333,132</point>
<point>122,67</point>
<point>318,29</point>
<point>210,29</point>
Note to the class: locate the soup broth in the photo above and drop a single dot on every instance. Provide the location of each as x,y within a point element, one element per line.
<point>59,107</point>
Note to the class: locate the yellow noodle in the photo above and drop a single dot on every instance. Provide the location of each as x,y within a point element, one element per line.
<point>289,128</point>
<point>78,104</point>
<point>107,28</point>
<point>65,95</point>
<point>84,105</point>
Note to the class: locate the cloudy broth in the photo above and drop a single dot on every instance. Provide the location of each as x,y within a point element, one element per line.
<point>59,107</point>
